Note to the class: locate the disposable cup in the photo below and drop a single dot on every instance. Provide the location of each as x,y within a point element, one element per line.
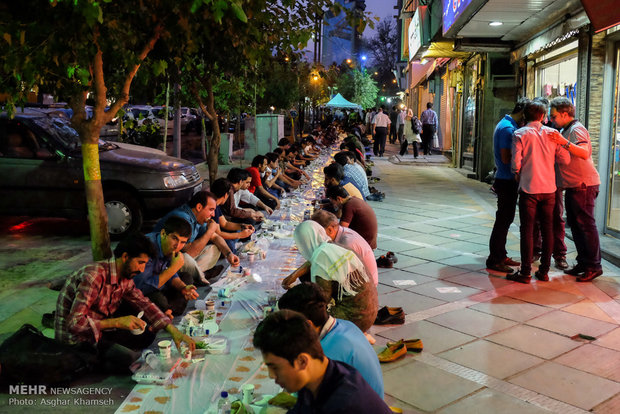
<point>165,349</point>
<point>247,393</point>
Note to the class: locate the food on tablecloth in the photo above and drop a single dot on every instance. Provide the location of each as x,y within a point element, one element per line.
<point>233,391</point>
<point>136,399</point>
<point>144,390</point>
<point>261,376</point>
<point>153,412</point>
<point>171,387</point>
<point>129,408</point>
<point>248,358</point>
<point>235,379</point>
<point>284,400</point>
<point>162,400</point>
<point>257,386</point>
<point>201,345</point>
<point>184,364</point>
<point>249,349</point>
<point>178,375</point>
<point>241,368</point>
<point>263,368</point>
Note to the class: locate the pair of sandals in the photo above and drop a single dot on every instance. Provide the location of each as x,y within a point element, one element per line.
<point>387,260</point>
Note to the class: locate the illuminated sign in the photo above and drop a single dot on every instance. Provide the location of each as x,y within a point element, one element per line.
<point>452,10</point>
<point>414,34</point>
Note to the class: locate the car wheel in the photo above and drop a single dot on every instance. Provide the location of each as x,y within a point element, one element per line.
<point>124,213</point>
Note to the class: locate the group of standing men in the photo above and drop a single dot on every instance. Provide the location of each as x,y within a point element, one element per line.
<point>536,164</point>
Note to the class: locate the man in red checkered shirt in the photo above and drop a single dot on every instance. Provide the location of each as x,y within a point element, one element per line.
<point>98,302</point>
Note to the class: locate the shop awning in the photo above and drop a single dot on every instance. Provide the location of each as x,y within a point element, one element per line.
<point>603,14</point>
<point>339,101</point>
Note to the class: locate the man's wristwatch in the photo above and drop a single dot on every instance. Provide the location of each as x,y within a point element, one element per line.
<point>567,145</point>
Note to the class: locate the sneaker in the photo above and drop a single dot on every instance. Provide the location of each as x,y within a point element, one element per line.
<point>391,256</point>
<point>543,277</point>
<point>590,275</point>
<point>509,262</point>
<point>500,267</point>
<point>561,263</point>
<point>519,277</point>
<point>384,262</point>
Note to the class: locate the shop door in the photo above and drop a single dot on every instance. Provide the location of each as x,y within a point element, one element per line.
<point>470,115</point>
<point>613,209</point>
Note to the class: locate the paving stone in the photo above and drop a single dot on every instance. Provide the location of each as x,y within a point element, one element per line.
<point>435,338</point>
<point>492,359</point>
<point>488,401</point>
<point>610,340</point>
<point>444,290</point>
<point>472,322</point>
<point>567,384</point>
<point>569,324</point>
<point>429,388</point>
<point>603,362</point>
<point>513,309</point>
<point>534,341</point>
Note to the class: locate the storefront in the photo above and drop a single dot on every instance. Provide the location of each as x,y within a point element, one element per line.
<point>556,73</point>
<point>472,96</point>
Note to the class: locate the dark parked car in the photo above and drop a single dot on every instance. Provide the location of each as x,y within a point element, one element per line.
<point>42,174</point>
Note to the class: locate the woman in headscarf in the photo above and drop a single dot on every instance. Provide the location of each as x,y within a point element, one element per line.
<point>338,272</point>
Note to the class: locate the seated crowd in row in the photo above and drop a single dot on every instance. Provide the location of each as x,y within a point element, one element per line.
<point>159,272</point>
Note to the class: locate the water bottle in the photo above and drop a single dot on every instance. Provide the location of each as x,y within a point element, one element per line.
<point>223,405</point>
<point>151,359</point>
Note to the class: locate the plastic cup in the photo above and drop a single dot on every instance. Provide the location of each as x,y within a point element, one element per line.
<point>247,393</point>
<point>165,349</point>
<point>251,257</point>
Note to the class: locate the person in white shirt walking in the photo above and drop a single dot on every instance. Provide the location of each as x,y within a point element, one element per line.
<point>380,128</point>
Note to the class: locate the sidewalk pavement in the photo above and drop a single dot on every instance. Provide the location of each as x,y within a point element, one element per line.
<point>490,345</point>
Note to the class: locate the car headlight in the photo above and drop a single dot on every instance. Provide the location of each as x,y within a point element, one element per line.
<point>174,181</point>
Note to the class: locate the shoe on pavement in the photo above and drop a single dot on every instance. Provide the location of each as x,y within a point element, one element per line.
<point>390,316</point>
<point>519,277</point>
<point>392,353</point>
<point>500,267</point>
<point>384,262</point>
<point>543,277</point>
<point>509,262</point>
<point>391,256</point>
<point>575,271</point>
<point>590,275</point>
<point>561,263</point>
<point>413,345</point>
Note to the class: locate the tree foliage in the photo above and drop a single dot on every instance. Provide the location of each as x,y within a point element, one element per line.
<point>358,87</point>
<point>383,48</point>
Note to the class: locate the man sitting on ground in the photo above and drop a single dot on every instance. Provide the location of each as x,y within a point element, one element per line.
<point>204,245</point>
<point>293,354</point>
<point>88,307</point>
<point>340,339</point>
<point>356,214</point>
<point>160,281</point>
<point>349,239</point>
<point>355,174</point>
<point>229,231</point>
<point>240,180</point>
<point>334,175</point>
<point>259,165</point>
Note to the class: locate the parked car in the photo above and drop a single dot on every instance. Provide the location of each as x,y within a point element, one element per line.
<point>41,167</point>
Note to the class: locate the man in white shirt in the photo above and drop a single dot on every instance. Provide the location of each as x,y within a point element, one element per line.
<point>534,154</point>
<point>380,128</point>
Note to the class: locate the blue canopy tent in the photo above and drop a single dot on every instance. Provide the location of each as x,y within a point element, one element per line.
<point>338,101</point>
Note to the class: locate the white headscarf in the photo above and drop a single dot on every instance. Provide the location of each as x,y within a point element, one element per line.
<point>329,261</point>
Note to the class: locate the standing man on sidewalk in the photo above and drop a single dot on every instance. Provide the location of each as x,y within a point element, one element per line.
<point>506,188</point>
<point>534,155</point>
<point>380,127</point>
<point>429,127</point>
<point>581,182</point>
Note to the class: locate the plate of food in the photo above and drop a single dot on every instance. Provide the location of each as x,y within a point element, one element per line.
<point>199,317</point>
<point>210,345</point>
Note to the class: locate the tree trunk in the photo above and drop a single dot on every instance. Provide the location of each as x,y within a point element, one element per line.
<point>97,215</point>
<point>209,110</point>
